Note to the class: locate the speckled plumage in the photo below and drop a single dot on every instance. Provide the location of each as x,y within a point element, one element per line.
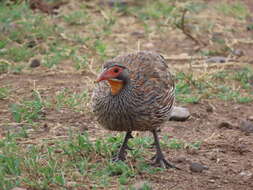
<point>143,104</point>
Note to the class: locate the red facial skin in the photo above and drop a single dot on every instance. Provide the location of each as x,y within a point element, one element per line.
<point>111,73</point>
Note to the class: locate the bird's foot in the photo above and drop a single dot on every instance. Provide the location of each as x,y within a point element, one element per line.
<point>121,156</point>
<point>160,161</point>
<point>128,148</point>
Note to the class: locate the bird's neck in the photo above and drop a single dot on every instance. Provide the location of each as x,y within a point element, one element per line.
<point>119,86</point>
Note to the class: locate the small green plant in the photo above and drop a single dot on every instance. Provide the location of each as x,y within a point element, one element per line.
<point>100,48</point>
<point>4,66</point>
<point>244,76</point>
<point>156,10</point>
<point>81,62</point>
<point>28,110</point>
<point>3,43</point>
<point>4,92</point>
<point>73,100</point>
<point>10,162</point>
<point>18,54</point>
<point>193,145</point>
<point>76,17</point>
<point>173,143</point>
<point>237,9</point>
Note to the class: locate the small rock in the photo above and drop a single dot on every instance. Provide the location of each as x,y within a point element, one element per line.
<point>149,45</point>
<point>238,52</point>
<point>210,108</point>
<point>225,124</point>
<point>142,185</point>
<point>196,167</point>
<point>247,126</point>
<point>179,114</point>
<point>245,173</point>
<point>18,188</point>
<point>35,63</point>
<point>216,60</point>
<point>250,118</point>
<point>250,27</point>
<point>138,34</point>
<point>113,3</point>
<point>242,148</point>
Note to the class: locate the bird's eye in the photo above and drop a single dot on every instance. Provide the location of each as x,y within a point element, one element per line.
<point>116,70</point>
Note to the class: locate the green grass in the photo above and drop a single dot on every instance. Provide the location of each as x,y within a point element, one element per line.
<point>28,110</point>
<point>76,159</point>
<point>237,9</point>
<point>71,100</point>
<point>18,54</point>
<point>190,89</point>
<point>76,17</point>
<point>4,93</point>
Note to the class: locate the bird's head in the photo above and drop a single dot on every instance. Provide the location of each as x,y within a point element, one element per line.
<point>117,76</point>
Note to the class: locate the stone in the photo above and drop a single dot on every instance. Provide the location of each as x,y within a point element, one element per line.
<point>250,118</point>
<point>35,63</point>
<point>217,59</point>
<point>18,188</point>
<point>245,173</point>
<point>113,3</point>
<point>179,114</point>
<point>246,126</point>
<point>238,52</point>
<point>225,124</point>
<point>196,167</point>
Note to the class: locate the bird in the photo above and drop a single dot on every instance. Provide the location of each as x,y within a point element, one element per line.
<point>135,92</point>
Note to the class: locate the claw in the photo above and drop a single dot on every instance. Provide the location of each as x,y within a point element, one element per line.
<point>163,163</point>
<point>121,155</point>
<point>118,158</point>
<point>128,148</point>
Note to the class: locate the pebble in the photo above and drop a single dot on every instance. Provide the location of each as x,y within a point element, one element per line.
<point>179,114</point>
<point>113,3</point>
<point>250,118</point>
<point>217,59</point>
<point>196,167</point>
<point>35,63</point>
<point>225,124</point>
<point>210,108</point>
<point>138,34</point>
<point>245,173</point>
<point>18,188</point>
<point>247,126</point>
<point>238,52</point>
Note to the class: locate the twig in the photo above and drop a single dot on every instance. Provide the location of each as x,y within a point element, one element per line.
<point>187,33</point>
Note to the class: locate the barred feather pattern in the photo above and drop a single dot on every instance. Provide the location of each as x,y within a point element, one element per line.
<point>144,103</point>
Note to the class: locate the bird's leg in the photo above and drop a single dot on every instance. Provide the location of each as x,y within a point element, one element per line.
<point>121,155</point>
<point>159,159</point>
